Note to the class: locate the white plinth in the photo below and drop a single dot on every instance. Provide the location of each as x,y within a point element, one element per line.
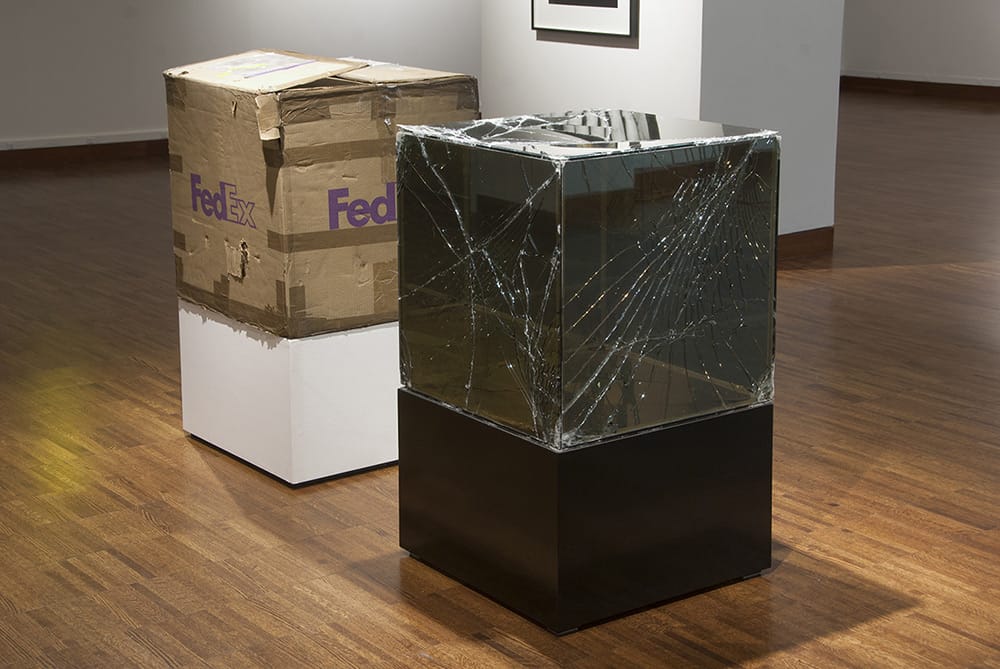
<point>300,409</point>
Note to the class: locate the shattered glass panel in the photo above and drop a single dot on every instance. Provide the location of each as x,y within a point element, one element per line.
<point>578,277</point>
<point>480,256</point>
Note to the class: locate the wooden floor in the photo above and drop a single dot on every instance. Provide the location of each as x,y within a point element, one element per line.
<point>125,543</point>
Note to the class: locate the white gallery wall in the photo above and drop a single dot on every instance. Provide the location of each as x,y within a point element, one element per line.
<point>762,63</point>
<point>953,41</point>
<point>77,72</point>
<point>525,74</point>
<point>776,64</point>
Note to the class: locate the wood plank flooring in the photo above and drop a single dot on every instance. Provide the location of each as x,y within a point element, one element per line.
<point>125,543</point>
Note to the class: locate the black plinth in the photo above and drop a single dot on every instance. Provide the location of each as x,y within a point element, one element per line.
<point>571,538</point>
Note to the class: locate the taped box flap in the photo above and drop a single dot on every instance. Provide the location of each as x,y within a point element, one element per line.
<point>268,116</point>
<point>263,71</point>
<point>374,72</point>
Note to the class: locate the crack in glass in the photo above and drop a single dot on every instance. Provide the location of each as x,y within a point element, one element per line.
<point>578,277</point>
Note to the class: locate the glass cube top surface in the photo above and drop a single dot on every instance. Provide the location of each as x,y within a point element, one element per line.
<point>575,278</point>
<point>585,134</point>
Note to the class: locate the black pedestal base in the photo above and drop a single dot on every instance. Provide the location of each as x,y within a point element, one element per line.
<point>567,539</point>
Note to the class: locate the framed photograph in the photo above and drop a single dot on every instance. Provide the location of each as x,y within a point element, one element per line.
<point>606,17</point>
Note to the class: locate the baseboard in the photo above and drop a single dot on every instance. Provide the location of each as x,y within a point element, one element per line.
<point>959,91</point>
<point>805,244</point>
<point>61,155</point>
<point>53,141</point>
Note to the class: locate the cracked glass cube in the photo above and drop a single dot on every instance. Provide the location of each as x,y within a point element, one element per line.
<point>578,277</point>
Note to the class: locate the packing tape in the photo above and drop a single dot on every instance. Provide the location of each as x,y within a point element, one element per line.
<point>468,97</point>
<point>308,326</point>
<point>272,154</point>
<point>331,239</point>
<point>277,321</point>
<point>343,106</point>
<point>269,320</point>
<point>268,117</point>
<point>221,287</point>
<point>280,299</point>
<point>296,302</point>
<point>389,167</point>
<point>464,89</point>
<point>176,93</point>
<point>385,103</point>
<point>338,152</point>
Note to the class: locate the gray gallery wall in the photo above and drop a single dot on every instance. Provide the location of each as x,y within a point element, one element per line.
<point>80,72</point>
<point>523,73</point>
<point>77,72</point>
<point>956,42</point>
<point>776,64</point>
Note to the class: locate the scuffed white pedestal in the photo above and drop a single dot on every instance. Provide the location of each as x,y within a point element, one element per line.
<point>300,409</point>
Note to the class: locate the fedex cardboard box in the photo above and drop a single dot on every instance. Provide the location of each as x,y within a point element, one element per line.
<point>282,171</point>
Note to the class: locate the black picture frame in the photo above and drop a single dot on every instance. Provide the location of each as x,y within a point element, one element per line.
<point>596,17</point>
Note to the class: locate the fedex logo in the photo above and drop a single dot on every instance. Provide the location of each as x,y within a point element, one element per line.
<point>223,204</point>
<point>360,211</point>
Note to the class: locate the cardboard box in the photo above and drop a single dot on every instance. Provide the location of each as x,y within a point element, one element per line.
<point>300,409</point>
<point>282,172</point>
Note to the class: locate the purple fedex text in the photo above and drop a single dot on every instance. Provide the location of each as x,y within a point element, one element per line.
<point>360,211</point>
<point>223,204</point>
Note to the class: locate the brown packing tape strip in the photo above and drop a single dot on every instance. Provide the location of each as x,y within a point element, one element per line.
<point>271,150</point>
<point>176,163</point>
<point>221,287</point>
<point>389,167</point>
<point>278,323</point>
<point>465,90</point>
<point>272,154</point>
<point>305,113</point>
<point>439,83</point>
<point>468,96</point>
<point>462,96</point>
<point>338,152</point>
<point>305,327</point>
<point>271,321</point>
<point>385,103</point>
<point>433,103</point>
<point>180,241</point>
<point>268,117</point>
<point>309,105</point>
<point>176,92</point>
<point>313,104</point>
<point>294,98</point>
<point>280,293</point>
<point>315,107</point>
<point>331,239</point>
<point>296,301</point>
